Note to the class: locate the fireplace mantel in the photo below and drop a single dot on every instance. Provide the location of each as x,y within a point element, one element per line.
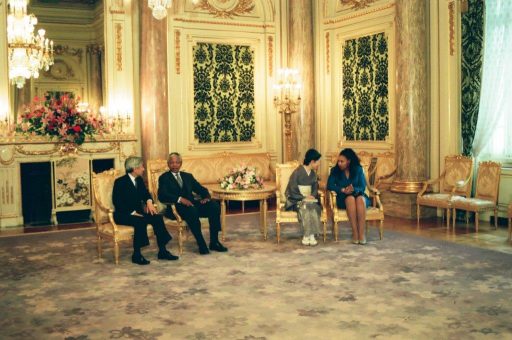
<point>20,149</point>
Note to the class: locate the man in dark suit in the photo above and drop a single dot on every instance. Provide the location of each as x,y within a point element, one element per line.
<point>134,206</point>
<point>178,187</point>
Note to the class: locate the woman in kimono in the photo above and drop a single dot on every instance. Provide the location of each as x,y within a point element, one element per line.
<point>348,181</point>
<point>302,196</point>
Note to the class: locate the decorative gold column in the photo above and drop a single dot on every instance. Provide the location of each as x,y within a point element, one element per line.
<point>301,57</point>
<point>412,93</point>
<point>153,86</point>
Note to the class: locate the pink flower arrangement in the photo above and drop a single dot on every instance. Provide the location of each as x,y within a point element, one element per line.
<point>241,178</point>
<point>60,118</point>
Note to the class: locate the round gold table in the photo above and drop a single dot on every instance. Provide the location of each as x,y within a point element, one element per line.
<point>244,195</point>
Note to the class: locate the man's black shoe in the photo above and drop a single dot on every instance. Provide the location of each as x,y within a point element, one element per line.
<point>204,250</point>
<point>139,259</point>
<point>167,256</point>
<point>217,246</point>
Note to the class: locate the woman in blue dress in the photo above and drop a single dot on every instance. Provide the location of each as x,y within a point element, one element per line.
<point>348,181</point>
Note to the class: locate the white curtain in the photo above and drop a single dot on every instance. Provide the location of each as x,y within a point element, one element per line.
<point>493,135</point>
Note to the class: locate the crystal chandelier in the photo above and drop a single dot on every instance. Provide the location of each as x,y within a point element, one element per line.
<point>159,8</point>
<point>28,53</point>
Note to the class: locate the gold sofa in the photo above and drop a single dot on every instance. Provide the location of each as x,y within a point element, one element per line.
<point>106,228</point>
<point>209,169</point>
<point>454,181</point>
<point>486,195</point>
<point>283,173</point>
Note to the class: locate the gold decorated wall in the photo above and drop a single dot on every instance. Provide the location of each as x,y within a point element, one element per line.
<point>356,66</point>
<point>222,56</point>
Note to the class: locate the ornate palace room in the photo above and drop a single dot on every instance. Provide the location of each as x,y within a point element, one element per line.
<point>255,169</point>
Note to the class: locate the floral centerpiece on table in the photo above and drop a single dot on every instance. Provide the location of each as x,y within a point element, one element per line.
<point>61,118</point>
<point>241,178</point>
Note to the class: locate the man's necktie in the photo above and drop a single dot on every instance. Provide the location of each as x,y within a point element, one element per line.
<point>180,181</point>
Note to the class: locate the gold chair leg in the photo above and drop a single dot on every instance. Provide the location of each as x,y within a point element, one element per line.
<point>335,228</point>
<point>510,229</point>
<point>417,215</point>
<point>325,230</point>
<point>454,213</point>
<point>467,218</point>
<point>448,218</point>
<point>476,221</point>
<point>99,247</point>
<point>180,240</point>
<point>116,252</point>
<point>278,232</point>
<point>495,219</point>
<point>381,229</point>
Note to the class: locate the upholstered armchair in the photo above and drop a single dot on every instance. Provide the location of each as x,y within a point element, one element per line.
<point>385,169</point>
<point>283,173</point>
<point>454,181</point>
<point>373,213</point>
<point>155,168</point>
<point>106,228</point>
<point>486,195</point>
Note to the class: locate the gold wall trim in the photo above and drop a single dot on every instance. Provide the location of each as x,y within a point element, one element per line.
<point>358,14</point>
<point>357,4</point>
<point>8,161</point>
<point>177,51</point>
<point>270,56</point>
<point>21,150</point>
<point>451,11</point>
<point>328,52</point>
<point>227,23</point>
<point>112,146</point>
<point>242,7</point>
<point>119,47</point>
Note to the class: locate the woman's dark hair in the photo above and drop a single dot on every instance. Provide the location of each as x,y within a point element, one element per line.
<point>354,161</point>
<point>311,155</point>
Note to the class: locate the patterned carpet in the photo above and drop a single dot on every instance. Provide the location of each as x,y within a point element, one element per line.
<point>403,287</point>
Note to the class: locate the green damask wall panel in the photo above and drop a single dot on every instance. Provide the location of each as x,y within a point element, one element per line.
<point>223,93</point>
<point>365,88</point>
<point>471,64</point>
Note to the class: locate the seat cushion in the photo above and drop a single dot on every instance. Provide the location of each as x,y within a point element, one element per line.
<point>287,216</point>
<point>472,204</point>
<point>124,232</point>
<point>435,200</point>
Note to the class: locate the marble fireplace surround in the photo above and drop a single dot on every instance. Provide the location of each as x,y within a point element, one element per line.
<point>17,150</point>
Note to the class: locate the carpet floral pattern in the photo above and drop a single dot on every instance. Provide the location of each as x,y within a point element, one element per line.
<point>403,287</point>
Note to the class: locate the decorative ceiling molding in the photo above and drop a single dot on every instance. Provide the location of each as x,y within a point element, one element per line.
<point>357,4</point>
<point>358,14</point>
<point>241,7</point>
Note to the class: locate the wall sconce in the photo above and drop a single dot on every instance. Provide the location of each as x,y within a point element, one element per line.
<point>159,8</point>
<point>287,100</point>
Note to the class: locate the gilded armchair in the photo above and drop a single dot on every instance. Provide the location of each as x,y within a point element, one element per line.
<point>385,169</point>
<point>454,181</point>
<point>283,173</point>
<point>373,213</point>
<point>486,195</point>
<point>106,228</point>
<point>155,168</point>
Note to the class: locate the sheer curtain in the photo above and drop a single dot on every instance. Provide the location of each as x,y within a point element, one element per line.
<point>493,136</point>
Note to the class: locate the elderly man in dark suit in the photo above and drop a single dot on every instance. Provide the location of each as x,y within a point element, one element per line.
<point>178,187</point>
<point>134,206</point>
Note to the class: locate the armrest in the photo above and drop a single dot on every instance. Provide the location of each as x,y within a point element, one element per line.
<point>373,190</point>
<point>431,182</point>
<point>461,184</point>
<point>174,211</point>
<point>379,203</point>
<point>391,174</point>
<point>111,219</point>
<point>332,200</point>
